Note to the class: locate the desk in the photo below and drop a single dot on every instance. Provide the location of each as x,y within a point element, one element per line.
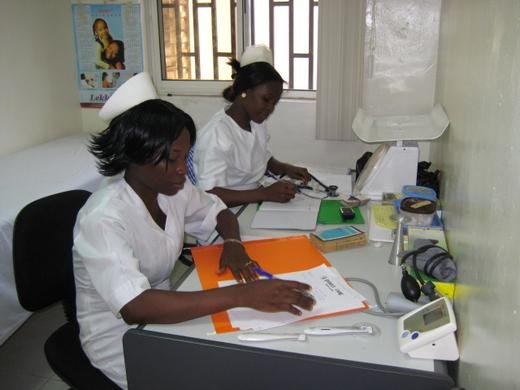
<point>190,356</point>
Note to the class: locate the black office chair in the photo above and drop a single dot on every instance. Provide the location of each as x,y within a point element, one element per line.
<point>42,255</point>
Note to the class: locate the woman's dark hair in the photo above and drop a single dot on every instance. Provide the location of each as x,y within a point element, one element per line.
<point>98,20</point>
<point>249,76</point>
<point>143,134</point>
<point>120,56</point>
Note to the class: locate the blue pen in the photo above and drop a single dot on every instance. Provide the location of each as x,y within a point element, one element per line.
<point>263,272</point>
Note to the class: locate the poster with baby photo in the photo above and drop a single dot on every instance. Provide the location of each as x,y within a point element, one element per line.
<point>109,47</point>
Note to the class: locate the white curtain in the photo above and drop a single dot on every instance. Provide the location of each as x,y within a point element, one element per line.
<point>340,67</point>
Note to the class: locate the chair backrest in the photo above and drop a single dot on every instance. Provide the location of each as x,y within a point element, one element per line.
<point>42,251</point>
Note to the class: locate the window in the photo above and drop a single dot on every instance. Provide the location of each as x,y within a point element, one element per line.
<point>197,38</point>
<point>290,29</point>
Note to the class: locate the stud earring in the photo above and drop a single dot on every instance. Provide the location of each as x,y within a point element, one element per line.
<point>243,95</point>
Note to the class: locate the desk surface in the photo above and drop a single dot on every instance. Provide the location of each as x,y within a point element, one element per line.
<point>369,262</point>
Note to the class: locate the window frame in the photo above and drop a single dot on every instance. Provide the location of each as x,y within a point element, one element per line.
<point>152,49</point>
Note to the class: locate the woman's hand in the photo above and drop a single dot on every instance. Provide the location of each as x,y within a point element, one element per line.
<point>281,191</point>
<point>276,295</point>
<point>235,257</point>
<point>298,173</point>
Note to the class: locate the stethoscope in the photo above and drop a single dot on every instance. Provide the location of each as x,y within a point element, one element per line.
<point>331,191</point>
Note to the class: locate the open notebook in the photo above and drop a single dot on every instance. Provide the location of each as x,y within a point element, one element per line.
<point>301,213</point>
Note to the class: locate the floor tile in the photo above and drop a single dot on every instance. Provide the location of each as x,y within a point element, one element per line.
<point>22,359</point>
<point>12,380</point>
<point>54,384</point>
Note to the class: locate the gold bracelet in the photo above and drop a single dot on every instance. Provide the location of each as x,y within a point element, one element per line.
<point>233,240</point>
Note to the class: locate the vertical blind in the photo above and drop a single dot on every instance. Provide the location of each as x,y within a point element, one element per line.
<point>340,67</point>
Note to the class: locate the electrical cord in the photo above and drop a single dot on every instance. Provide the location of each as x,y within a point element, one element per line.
<point>384,312</point>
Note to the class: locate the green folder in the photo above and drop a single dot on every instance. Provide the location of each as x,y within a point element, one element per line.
<point>329,214</point>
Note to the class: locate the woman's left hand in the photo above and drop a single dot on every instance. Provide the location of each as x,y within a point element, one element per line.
<point>235,257</point>
<point>298,173</point>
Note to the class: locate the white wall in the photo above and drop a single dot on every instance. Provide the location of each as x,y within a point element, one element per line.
<point>292,127</point>
<point>38,95</point>
<point>479,86</point>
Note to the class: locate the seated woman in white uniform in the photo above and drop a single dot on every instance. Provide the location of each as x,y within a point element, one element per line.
<point>130,233</point>
<point>231,154</point>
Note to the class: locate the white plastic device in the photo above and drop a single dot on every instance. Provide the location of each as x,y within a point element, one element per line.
<point>332,331</point>
<point>271,336</point>
<point>390,167</point>
<point>394,164</point>
<point>429,331</point>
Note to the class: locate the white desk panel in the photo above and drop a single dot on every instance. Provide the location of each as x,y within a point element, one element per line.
<point>369,262</point>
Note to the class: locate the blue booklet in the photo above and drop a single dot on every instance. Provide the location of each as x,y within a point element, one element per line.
<point>337,233</point>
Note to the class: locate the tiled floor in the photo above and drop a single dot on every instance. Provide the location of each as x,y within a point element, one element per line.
<point>22,361</point>
<point>23,365</point>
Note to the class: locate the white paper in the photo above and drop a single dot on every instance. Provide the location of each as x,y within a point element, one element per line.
<point>300,202</point>
<point>329,289</point>
<point>295,220</point>
<point>300,213</point>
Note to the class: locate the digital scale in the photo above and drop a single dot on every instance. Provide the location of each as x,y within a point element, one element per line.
<point>429,331</point>
<point>390,167</point>
<point>394,163</point>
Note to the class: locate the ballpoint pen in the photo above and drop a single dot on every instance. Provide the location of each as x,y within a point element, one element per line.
<point>260,271</point>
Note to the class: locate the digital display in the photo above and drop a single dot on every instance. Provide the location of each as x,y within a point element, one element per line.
<point>432,316</point>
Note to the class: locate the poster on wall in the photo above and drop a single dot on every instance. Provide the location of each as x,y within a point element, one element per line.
<point>109,48</point>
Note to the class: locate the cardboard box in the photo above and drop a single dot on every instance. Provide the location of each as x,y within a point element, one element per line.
<point>339,244</point>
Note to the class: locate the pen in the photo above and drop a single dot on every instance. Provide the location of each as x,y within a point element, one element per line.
<point>273,176</point>
<point>263,272</point>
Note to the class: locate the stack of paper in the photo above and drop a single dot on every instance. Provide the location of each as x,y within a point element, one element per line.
<point>300,213</point>
<point>382,224</point>
<point>332,294</point>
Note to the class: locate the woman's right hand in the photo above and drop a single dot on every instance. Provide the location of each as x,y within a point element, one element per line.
<point>276,295</point>
<point>281,191</point>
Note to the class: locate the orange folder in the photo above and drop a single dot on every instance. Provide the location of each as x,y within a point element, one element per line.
<point>276,255</point>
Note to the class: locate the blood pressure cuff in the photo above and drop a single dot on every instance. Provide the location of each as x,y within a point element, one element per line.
<point>432,260</point>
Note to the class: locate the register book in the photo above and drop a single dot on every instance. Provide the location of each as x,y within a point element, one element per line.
<point>301,213</point>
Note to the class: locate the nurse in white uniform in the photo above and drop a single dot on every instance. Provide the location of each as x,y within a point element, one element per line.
<point>231,155</point>
<point>130,233</point>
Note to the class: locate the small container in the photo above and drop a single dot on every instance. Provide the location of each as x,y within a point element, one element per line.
<point>419,192</point>
<point>419,211</point>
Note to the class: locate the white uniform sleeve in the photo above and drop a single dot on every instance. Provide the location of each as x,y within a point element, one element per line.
<point>213,153</point>
<point>201,212</point>
<point>103,247</point>
<point>266,137</point>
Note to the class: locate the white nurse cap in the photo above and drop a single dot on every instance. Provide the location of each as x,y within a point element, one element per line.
<point>256,53</point>
<point>135,90</point>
